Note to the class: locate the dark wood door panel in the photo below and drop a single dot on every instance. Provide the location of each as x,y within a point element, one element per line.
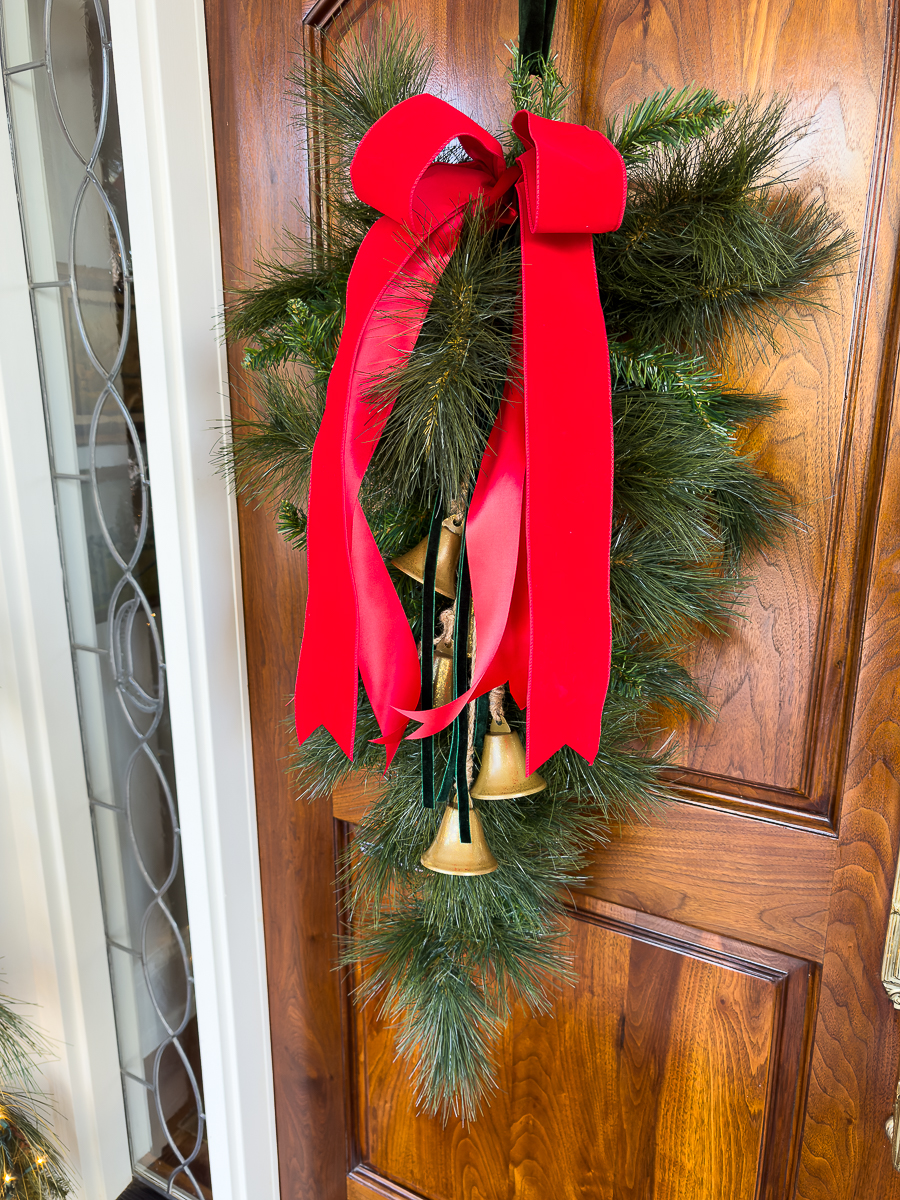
<point>764,883</point>
<point>784,745</point>
<point>854,1067</point>
<point>675,1067</point>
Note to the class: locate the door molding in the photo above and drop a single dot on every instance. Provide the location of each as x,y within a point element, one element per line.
<point>163,95</point>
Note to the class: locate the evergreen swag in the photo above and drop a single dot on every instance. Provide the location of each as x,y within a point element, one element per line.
<point>713,248</point>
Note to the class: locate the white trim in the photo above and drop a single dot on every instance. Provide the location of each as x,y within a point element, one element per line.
<point>162,83</point>
<point>51,923</point>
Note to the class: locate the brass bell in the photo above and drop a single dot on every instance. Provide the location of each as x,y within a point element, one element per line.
<point>448,855</point>
<point>412,563</point>
<point>502,775</point>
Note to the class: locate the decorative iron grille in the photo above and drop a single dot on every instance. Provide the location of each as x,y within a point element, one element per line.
<point>59,87</point>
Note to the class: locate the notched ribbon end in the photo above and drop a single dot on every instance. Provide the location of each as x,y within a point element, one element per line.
<point>345,739</point>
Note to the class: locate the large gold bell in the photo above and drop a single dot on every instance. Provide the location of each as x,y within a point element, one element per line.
<point>502,775</point>
<point>412,563</point>
<point>448,855</point>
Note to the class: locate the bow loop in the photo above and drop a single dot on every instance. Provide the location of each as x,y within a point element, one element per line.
<point>394,169</point>
<point>573,177</point>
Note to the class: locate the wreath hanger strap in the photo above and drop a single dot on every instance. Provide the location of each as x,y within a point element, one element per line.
<point>535,32</point>
<point>427,676</point>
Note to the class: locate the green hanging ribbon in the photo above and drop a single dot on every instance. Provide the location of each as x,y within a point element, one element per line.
<point>428,623</point>
<point>455,771</point>
<point>482,720</point>
<point>461,672</point>
<point>535,31</point>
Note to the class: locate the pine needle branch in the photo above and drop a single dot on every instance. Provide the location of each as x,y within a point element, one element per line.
<point>542,91</point>
<point>668,118</point>
<point>32,1166</point>
<point>340,100</point>
<point>269,454</point>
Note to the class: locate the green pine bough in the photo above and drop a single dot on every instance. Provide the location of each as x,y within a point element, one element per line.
<point>714,256</point>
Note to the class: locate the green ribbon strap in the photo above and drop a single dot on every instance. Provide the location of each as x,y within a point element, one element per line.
<point>428,623</point>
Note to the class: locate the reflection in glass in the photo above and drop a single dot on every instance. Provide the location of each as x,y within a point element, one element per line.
<point>60,95</point>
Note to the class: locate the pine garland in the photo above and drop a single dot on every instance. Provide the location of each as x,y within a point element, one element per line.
<point>713,246</point>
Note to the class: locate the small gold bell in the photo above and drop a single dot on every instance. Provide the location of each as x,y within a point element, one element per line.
<point>448,855</point>
<point>502,775</point>
<point>412,563</point>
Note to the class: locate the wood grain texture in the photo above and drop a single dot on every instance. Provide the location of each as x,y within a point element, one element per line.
<point>674,1068</point>
<point>261,171</point>
<point>760,882</point>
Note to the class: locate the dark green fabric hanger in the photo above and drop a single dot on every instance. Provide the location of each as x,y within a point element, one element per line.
<point>535,31</point>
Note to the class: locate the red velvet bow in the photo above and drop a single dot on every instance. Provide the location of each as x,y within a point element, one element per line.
<point>538,526</point>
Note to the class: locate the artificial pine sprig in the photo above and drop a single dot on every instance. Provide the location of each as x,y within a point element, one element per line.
<point>713,245</point>
<point>535,86</point>
<point>31,1161</point>
<point>446,394</point>
<point>715,251</point>
<point>668,118</point>
<point>343,98</point>
<point>269,453</point>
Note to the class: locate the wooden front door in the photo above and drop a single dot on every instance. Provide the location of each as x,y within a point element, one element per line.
<point>728,1037</point>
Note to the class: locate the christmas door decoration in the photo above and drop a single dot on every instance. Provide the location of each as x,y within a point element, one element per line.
<point>494,407</point>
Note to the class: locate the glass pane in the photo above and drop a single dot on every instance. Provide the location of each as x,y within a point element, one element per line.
<point>72,194</point>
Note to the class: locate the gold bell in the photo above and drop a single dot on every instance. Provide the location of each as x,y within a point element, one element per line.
<point>448,855</point>
<point>412,563</point>
<point>502,775</point>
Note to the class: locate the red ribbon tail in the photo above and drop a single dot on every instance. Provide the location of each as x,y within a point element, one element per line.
<point>568,494</point>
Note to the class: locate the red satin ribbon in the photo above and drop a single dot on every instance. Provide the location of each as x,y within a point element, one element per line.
<point>538,526</point>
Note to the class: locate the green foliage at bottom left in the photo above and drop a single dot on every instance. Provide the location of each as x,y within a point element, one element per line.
<point>31,1158</point>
